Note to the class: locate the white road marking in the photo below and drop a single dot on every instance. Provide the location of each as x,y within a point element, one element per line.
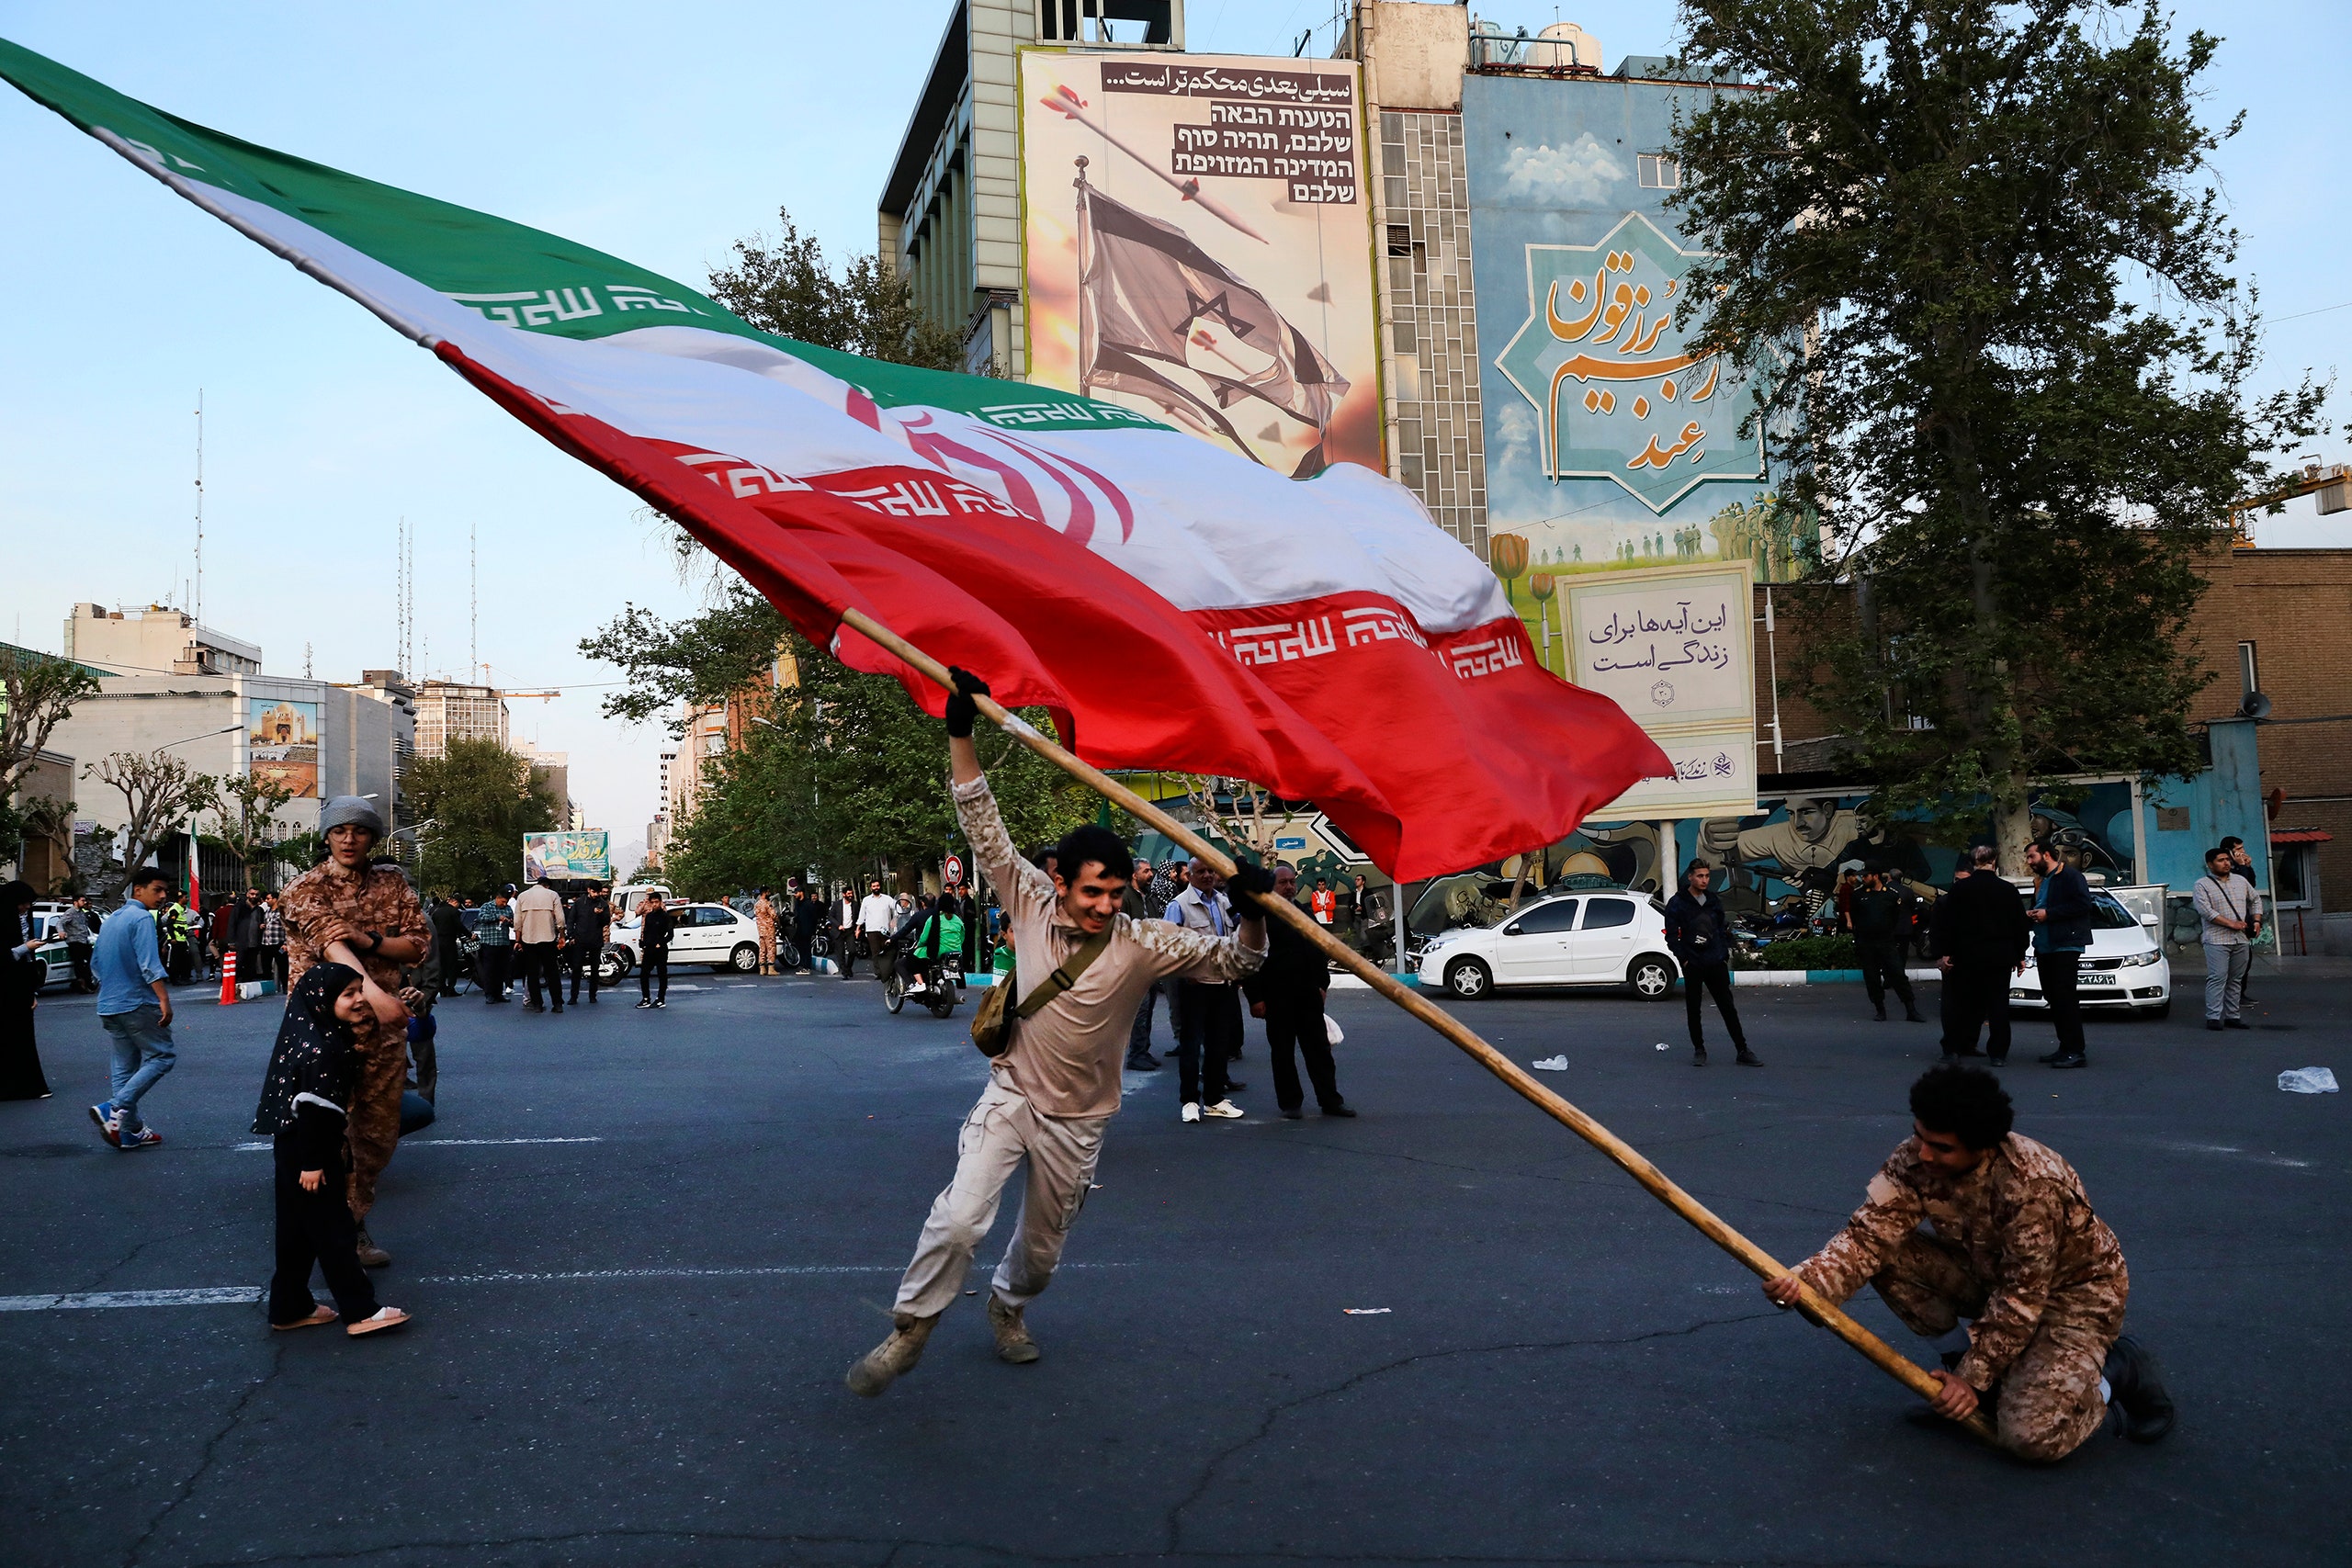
<point>246,1295</point>
<point>444,1143</point>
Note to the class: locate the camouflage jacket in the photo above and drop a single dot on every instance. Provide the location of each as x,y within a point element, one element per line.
<point>329,904</point>
<point>2021,1223</point>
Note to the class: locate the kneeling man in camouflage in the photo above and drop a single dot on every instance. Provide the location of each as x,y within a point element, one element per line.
<point>2021,1284</point>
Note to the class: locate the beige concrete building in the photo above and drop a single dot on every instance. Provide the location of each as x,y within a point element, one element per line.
<point>449,710</point>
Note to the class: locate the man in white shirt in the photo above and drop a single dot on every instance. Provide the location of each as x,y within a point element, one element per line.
<point>876,918</point>
<point>2230,911</point>
<point>538,939</point>
<point>1208,1016</point>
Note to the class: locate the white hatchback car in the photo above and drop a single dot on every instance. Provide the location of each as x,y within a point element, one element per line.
<point>1577,938</point>
<point>2124,970</point>
<point>706,933</point>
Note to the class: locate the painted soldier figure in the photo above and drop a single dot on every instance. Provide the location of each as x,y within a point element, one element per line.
<point>2019,1283</point>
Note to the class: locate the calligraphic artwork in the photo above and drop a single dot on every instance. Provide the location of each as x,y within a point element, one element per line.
<point>1674,647</point>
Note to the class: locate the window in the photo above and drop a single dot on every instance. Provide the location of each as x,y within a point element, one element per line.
<point>1400,239</point>
<point>2290,874</point>
<point>2249,671</point>
<point>1658,171</point>
<point>1602,913</point>
<point>710,917</point>
<point>1545,918</point>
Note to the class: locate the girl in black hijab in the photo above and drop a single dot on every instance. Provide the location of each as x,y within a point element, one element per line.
<point>21,972</point>
<point>312,1072</point>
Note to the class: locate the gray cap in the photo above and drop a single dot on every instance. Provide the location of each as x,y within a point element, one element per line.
<point>351,810</point>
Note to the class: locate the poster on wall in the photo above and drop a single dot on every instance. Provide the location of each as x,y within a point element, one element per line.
<point>1197,247</point>
<point>282,745</point>
<point>1675,648</point>
<point>1611,445</point>
<point>579,855</point>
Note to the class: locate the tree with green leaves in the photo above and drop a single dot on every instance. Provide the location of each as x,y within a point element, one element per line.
<point>38,691</point>
<point>1974,258</point>
<point>478,799</point>
<point>783,284</point>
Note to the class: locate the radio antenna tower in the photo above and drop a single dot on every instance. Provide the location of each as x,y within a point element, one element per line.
<point>198,608</point>
<point>473,606</point>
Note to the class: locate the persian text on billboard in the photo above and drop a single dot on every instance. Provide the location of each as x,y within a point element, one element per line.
<point>1197,248</point>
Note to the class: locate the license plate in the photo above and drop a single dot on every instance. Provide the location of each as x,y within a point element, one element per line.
<point>2096,979</point>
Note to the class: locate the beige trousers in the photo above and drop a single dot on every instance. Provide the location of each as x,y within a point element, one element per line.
<point>1002,1129</point>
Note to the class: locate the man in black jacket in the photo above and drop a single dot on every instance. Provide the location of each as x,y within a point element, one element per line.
<point>448,934</point>
<point>1700,933</point>
<point>2061,913</point>
<point>655,926</point>
<point>586,918</point>
<point>1875,918</point>
<point>1977,937</point>
<point>1287,992</point>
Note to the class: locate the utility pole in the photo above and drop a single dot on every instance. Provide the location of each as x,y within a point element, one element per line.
<point>200,506</point>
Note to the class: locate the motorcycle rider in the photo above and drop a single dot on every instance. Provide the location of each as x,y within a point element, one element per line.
<point>926,937</point>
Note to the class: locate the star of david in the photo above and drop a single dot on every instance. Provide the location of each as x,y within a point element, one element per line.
<point>1219,308</point>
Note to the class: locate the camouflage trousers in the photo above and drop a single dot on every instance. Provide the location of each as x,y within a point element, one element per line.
<point>2048,1399</point>
<point>374,1114</point>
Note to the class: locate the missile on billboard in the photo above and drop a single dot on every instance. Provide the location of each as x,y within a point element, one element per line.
<point>1064,102</point>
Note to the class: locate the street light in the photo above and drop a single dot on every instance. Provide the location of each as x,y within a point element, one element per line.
<point>208,734</point>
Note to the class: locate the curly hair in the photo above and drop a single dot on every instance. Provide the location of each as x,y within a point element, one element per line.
<point>1967,1102</point>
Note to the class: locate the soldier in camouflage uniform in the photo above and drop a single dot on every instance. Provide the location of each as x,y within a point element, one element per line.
<point>2012,1247</point>
<point>365,916</point>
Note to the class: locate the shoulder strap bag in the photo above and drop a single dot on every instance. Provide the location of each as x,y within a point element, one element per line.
<point>1003,1006</point>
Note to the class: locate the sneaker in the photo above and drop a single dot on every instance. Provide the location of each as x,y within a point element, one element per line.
<point>645,1003</point>
<point>1234,1086</point>
<point>2235,1023</point>
<point>2076,1060</point>
<point>1224,1108</point>
<point>2214,1024</point>
<point>1343,1111</point>
<point>1748,1058</point>
<point>370,1255</point>
<point>145,1138</point>
<point>1192,1111</point>
<point>1292,1113</point>
<point>103,1114</point>
<point>662,1004</point>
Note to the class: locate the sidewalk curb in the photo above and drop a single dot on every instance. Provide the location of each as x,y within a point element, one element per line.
<point>1817,976</point>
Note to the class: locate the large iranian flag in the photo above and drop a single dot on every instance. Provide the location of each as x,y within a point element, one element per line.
<point>1176,605</point>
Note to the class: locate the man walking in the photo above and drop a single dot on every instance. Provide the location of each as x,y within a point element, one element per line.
<point>1288,992</point>
<point>655,926</point>
<point>494,946</point>
<point>1874,917</point>
<point>1083,966</point>
<point>2228,913</point>
<point>1208,1012</point>
<point>271,935</point>
<point>586,918</point>
<point>806,908</point>
<point>1985,1242</point>
<point>876,918</point>
<point>365,916</point>
<point>1977,937</point>
<point>78,929</point>
<point>2062,931</point>
<point>1698,932</point>
<point>539,937</point>
<point>135,1010</point>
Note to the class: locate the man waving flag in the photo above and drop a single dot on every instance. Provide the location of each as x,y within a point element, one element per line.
<point>1176,605</point>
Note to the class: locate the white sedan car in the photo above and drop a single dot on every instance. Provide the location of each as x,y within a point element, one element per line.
<point>706,933</point>
<point>1579,938</point>
<point>2124,969</point>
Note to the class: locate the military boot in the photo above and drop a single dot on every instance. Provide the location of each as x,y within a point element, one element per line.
<point>370,1255</point>
<point>1013,1341</point>
<point>895,1357</point>
<point>2136,1384</point>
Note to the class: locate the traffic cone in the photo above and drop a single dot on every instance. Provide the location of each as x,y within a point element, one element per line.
<point>229,978</point>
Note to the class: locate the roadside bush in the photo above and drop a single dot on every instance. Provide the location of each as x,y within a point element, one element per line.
<point>1808,952</point>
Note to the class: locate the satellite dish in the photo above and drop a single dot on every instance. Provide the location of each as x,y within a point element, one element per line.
<point>2257,705</point>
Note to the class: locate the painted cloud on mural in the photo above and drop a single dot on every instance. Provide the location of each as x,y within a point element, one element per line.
<point>1580,174</point>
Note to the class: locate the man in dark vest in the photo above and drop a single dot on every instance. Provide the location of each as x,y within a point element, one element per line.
<point>1287,992</point>
<point>1978,938</point>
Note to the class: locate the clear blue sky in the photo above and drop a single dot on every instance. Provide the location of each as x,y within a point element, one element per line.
<point>659,134</point>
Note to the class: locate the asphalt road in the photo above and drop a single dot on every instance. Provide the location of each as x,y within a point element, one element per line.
<point>629,1350</point>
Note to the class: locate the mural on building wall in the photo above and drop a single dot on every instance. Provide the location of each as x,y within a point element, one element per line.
<point>1609,444</point>
<point>282,745</point>
<point>1196,247</point>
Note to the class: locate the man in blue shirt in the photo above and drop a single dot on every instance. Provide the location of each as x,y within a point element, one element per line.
<point>135,1008</point>
<point>2062,931</point>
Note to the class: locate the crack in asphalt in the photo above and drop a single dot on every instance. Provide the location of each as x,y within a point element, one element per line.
<point>124,1261</point>
<point>187,1487</point>
<point>1276,1413</point>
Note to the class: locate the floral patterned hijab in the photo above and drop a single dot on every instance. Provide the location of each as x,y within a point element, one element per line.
<point>314,1058</point>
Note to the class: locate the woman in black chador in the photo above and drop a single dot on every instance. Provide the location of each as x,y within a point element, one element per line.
<point>21,972</point>
<point>311,1073</point>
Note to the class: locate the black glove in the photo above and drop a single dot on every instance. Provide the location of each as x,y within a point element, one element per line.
<point>1248,878</point>
<point>961,710</point>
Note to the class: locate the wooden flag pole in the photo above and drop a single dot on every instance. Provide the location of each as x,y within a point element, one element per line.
<point>1623,1154</point>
